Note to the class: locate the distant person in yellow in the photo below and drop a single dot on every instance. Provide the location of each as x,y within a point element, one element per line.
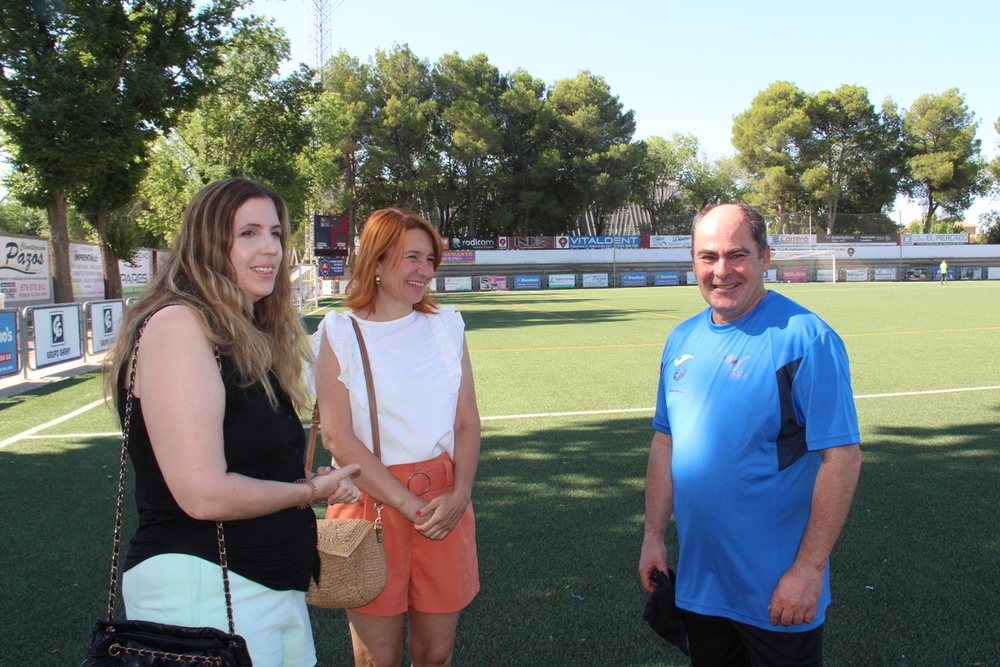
<point>943,270</point>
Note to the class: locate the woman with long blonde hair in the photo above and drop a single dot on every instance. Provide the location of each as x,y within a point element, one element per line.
<point>429,432</point>
<point>215,435</point>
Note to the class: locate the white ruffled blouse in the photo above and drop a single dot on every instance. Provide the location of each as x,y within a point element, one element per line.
<point>417,370</point>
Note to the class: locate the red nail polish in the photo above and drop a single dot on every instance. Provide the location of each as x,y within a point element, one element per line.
<point>419,513</point>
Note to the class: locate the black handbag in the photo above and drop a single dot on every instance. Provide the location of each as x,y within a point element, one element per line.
<point>145,643</point>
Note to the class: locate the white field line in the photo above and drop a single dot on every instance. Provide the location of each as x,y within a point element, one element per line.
<point>30,433</point>
<point>57,420</point>
<point>609,412</point>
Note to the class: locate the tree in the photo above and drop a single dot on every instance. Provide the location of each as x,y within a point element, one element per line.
<point>945,163</point>
<point>720,181</point>
<point>663,172</point>
<point>989,227</point>
<point>849,145</point>
<point>529,194</point>
<point>769,139</point>
<point>401,156</point>
<point>594,136</point>
<point>253,125</point>
<point>81,79</point>
<point>468,97</point>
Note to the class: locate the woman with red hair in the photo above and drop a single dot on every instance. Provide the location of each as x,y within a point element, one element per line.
<point>429,431</point>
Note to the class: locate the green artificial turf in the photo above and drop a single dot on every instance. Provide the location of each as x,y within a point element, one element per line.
<point>559,497</point>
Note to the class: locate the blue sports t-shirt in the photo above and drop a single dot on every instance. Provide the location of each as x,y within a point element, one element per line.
<point>747,405</point>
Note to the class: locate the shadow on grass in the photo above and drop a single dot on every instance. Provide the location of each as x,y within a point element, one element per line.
<point>47,390</point>
<point>915,571</point>
<point>559,513</point>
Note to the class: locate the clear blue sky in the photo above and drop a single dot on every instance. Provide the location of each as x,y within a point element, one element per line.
<point>688,66</point>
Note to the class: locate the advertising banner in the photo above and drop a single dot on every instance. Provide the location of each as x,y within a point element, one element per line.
<point>595,280</point>
<point>562,280</point>
<point>771,276</point>
<point>531,243</point>
<point>458,257</point>
<point>824,275</point>
<point>24,269</point>
<point>993,273</point>
<point>790,239</point>
<point>492,283</point>
<point>681,241</point>
<point>330,267</point>
<point>57,334</point>
<point>794,276</point>
<point>933,239</point>
<point>918,273</point>
<point>885,274</point>
<point>585,242</point>
<point>626,241</point>
<point>856,238</point>
<point>135,276</point>
<point>86,270</point>
<point>10,357</point>
<point>690,278</point>
<point>105,318</point>
<point>633,280</point>
<point>459,243</point>
<point>667,278</point>
<point>971,273</point>
<point>452,284</point>
<point>856,275</point>
<point>527,282</point>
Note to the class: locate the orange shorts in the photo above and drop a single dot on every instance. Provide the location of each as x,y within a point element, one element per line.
<point>430,576</point>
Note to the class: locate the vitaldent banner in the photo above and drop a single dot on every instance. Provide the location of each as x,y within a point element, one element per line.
<point>24,269</point>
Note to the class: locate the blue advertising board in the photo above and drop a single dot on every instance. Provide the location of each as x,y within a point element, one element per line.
<point>666,278</point>
<point>633,280</point>
<point>9,358</point>
<point>527,282</point>
<point>626,241</point>
<point>331,267</point>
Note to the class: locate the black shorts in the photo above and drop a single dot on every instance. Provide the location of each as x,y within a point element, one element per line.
<point>722,642</point>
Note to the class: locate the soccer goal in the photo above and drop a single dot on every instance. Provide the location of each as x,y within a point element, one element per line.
<point>799,266</point>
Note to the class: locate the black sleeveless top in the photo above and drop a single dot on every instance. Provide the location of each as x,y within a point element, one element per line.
<point>277,550</point>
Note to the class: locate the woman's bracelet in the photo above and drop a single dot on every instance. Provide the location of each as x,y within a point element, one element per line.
<point>312,497</point>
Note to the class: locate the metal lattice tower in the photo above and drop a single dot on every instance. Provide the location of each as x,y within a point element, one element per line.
<point>320,17</point>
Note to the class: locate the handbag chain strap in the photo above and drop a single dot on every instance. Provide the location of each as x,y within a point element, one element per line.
<point>120,504</point>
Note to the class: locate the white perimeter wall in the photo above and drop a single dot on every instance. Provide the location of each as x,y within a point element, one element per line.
<point>642,255</point>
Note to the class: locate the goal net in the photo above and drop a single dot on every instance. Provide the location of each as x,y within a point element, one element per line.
<point>800,266</point>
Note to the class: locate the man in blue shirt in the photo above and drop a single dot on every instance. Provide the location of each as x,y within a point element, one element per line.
<point>755,454</point>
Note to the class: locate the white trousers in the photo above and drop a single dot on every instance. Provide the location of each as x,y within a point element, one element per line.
<point>186,590</point>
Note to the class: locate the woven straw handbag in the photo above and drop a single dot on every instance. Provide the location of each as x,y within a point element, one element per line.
<point>352,556</point>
